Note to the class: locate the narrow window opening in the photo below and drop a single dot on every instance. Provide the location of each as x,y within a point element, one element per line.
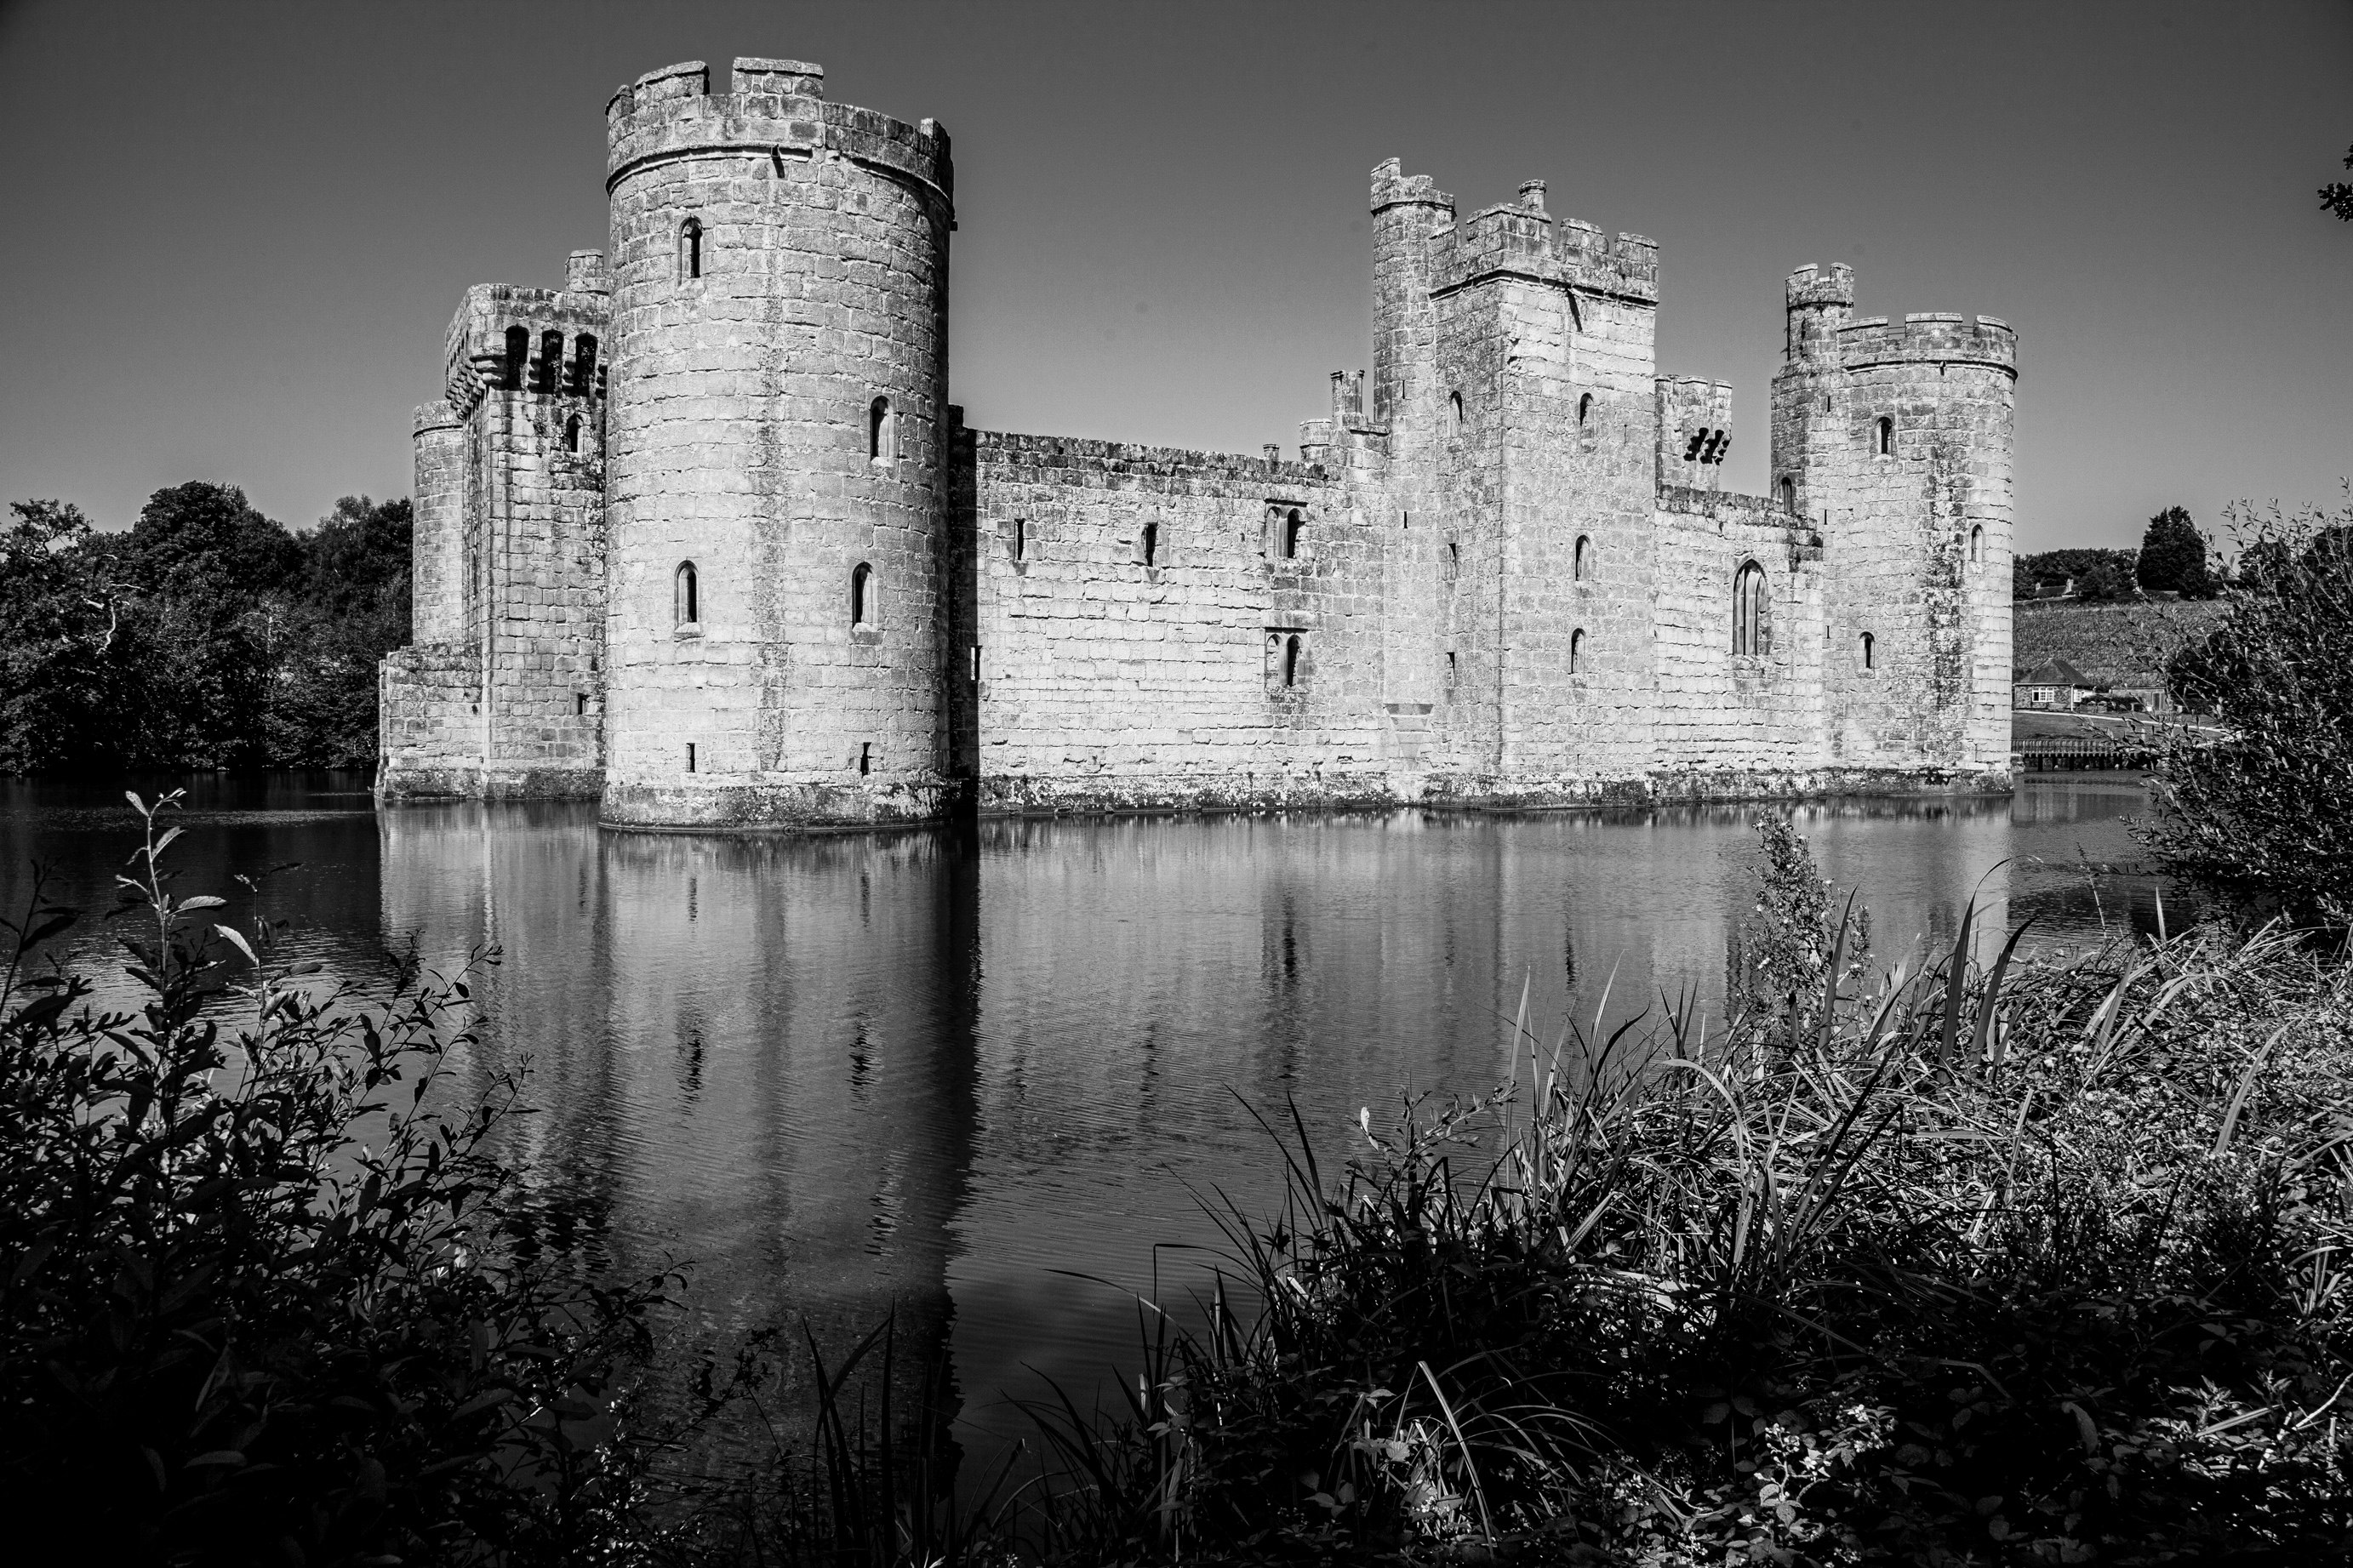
<point>1152,544</point>
<point>975,664</point>
<point>1450,670</point>
<point>1790,495</point>
<point>1022,539</point>
<point>547,375</point>
<point>1748,635</point>
<point>1867,650</point>
<point>1826,402</point>
<point>865,758</point>
<point>878,442</point>
<point>1291,662</point>
<point>1977,545</point>
<point>583,378</point>
<point>1584,408</point>
<point>1582,566</point>
<point>572,433</point>
<point>861,598</point>
<point>1454,400</point>
<point>690,756</point>
<point>1886,438</point>
<point>689,600</point>
<point>1576,651</point>
<point>1454,560</point>
<point>689,250</point>
<point>518,354</point>
<point>579,705</point>
<point>1293,525</point>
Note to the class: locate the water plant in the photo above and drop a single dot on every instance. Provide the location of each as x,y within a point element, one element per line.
<point>260,1297</point>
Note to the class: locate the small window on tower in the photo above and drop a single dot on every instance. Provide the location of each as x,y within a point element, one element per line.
<point>1977,545</point>
<point>1454,402</point>
<point>1152,544</point>
<point>1451,565</point>
<point>861,598</point>
<point>1584,408</point>
<point>1291,661</point>
<point>1576,651</point>
<point>547,375</point>
<point>690,250</point>
<point>880,445</point>
<point>1869,650</point>
<point>689,599</point>
<point>572,433</point>
<point>1886,438</point>
<point>1294,527</point>
<point>1582,567</point>
<point>518,355</point>
<point>1020,538</point>
<point>1788,495</point>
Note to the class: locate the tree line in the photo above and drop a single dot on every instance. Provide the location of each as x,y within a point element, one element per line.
<point>206,635</point>
<point>2174,557</point>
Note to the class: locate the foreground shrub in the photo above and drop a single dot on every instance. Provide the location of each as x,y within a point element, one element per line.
<point>259,1295</point>
<point>2262,817</point>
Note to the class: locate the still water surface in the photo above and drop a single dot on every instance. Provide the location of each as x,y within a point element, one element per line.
<point>978,1079</point>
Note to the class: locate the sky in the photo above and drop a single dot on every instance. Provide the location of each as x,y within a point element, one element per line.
<point>236,232</point>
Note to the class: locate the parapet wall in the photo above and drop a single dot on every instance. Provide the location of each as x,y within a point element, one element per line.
<point>778,106</point>
<point>1928,339</point>
<point>478,356</point>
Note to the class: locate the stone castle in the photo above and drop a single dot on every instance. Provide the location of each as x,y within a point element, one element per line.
<point>699,534</point>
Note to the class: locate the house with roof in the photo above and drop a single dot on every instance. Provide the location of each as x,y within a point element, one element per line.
<point>2054,683</point>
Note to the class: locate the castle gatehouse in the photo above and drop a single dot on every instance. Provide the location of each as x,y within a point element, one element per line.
<point>701,536</point>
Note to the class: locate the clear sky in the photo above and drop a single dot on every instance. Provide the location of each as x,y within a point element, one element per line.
<point>235,232</point>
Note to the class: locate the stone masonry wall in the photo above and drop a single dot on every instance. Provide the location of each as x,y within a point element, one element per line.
<point>1111,680</point>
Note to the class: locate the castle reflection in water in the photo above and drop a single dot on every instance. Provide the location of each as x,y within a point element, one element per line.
<point>978,1080</point>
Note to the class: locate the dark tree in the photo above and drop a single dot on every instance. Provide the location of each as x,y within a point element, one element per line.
<point>2108,572</point>
<point>2259,815</point>
<point>2174,556</point>
<point>350,610</point>
<point>2337,196</point>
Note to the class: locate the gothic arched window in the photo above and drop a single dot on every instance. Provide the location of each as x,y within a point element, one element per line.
<point>1582,567</point>
<point>689,250</point>
<point>1885,436</point>
<point>688,596</point>
<point>1295,526</point>
<point>1977,545</point>
<point>1576,651</point>
<point>1870,649</point>
<point>1291,661</point>
<point>881,445</point>
<point>1748,629</point>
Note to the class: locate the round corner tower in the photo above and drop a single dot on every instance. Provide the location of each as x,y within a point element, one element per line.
<point>1894,439</point>
<point>777,457</point>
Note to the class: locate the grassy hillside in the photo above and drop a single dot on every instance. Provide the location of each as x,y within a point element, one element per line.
<point>2114,645</point>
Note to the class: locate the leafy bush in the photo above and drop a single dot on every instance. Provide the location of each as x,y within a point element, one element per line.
<point>2261,817</point>
<point>261,1291</point>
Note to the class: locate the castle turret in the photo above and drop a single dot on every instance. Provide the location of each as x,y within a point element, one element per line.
<point>437,604</point>
<point>779,455</point>
<point>1893,439</point>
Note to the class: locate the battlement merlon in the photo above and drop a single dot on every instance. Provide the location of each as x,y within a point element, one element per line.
<point>1809,285</point>
<point>779,108</point>
<point>1392,187</point>
<point>1929,338</point>
<point>474,351</point>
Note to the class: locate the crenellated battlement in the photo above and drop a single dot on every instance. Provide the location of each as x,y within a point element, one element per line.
<point>1810,285</point>
<point>1519,239</point>
<point>478,352</point>
<point>1393,187</point>
<point>777,108</point>
<point>1928,337</point>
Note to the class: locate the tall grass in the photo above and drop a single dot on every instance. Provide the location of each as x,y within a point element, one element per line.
<point>1972,1262</point>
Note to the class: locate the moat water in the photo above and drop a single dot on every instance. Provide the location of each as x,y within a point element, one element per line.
<point>986,1079</point>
